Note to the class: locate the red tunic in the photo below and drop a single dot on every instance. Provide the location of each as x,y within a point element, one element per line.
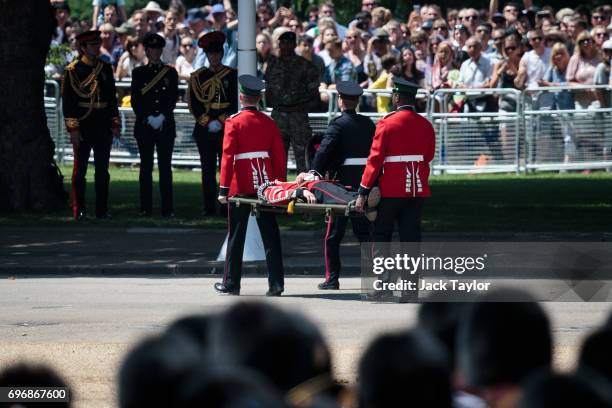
<point>253,153</point>
<point>404,145</point>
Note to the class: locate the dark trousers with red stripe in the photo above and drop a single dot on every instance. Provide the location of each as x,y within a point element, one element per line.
<point>99,140</point>
<point>335,233</point>
<point>238,219</point>
<point>210,147</point>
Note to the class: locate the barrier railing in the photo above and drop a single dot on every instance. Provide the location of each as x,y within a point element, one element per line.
<point>568,128</point>
<point>476,137</point>
<point>529,133</point>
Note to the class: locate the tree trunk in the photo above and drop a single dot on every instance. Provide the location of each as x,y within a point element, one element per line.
<point>29,178</point>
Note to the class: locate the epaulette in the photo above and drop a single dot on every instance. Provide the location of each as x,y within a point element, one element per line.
<point>235,114</point>
<point>71,65</point>
<point>197,71</point>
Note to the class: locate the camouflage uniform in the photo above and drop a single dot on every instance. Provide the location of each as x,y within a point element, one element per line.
<point>291,82</point>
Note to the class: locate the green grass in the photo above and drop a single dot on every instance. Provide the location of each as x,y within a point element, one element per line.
<point>543,202</point>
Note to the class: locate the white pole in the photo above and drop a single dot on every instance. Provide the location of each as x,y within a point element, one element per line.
<point>247,54</point>
<point>247,64</point>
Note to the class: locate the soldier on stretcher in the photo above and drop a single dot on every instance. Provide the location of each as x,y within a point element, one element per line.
<point>314,191</point>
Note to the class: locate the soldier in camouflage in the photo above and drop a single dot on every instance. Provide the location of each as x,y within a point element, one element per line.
<point>291,83</point>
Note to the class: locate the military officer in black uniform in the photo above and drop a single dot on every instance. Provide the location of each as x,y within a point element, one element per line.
<point>213,97</point>
<point>89,103</point>
<point>343,153</point>
<point>154,94</point>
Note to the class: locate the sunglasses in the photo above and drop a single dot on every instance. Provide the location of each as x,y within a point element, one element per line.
<point>535,39</point>
<point>498,39</point>
<point>601,35</point>
<point>470,17</point>
<point>482,30</point>
<point>585,42</point>
<point>509,49</point>
<point>441,28</point>
<point>188,46</point>
<point>597,17</point>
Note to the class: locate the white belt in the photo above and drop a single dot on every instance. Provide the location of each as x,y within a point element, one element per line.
<point>251,155</point>
<point>355,161</point>
<point>402,159</point>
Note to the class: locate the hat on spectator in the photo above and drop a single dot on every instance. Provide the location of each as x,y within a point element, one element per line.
<point>607,45</point>
<point>196,14</point>
<point>349,89</point>
<point>152,40</point>
<point>287,35</point>
<point>89,37</point>
<point>212,41</point>
<point>427,25</point>
<point>402,86</point>
<point>381,35</point>
<point>250,85</point>
<point>126,28</point>
<point>217,9</point>
<point>498,18</point>
<point>153,7</point>
<point>564,12</point>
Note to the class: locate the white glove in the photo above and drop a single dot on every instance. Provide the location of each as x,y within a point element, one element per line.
<point>150,120</point>
<point>214,126</point>
<point>156,122</point>
<point>311,177</point>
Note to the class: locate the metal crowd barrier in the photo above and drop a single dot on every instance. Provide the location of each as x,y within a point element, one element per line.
<point>531,134</point>
<point>568,128</point>
<point>476,137</point>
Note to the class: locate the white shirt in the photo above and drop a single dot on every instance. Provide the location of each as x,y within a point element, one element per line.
<point>536,66</point>
<point>171,49</point>
<point>474,74</point>
<point>184,67</point>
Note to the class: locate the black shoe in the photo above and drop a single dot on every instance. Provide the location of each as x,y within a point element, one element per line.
<point>329,285</point>
<point>103,216</point>
<point>168,214</point>
<point>274,291</point>
<point>221,288</point>
<point>145,213</point>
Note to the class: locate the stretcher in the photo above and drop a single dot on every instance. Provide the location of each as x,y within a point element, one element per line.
<point>293,207</point>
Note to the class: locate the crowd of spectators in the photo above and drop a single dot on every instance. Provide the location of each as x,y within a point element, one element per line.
<point>507,47</point>
<point>466,355</point>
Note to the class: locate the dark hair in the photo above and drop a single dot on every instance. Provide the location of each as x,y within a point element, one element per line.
<point>284,347</point>
<point>547,390</point>
<point>489,351</point>
<point>595,353</point>
<point>414,364</point>
<point>305,39</point>
<point>512,4</point>
<point>228,387</point>
<point>387,61</point>
<point>399,68</point>
<point>196,327</point>
<point>152,373</point>
<point>27,375</point>
<point>441,318</point>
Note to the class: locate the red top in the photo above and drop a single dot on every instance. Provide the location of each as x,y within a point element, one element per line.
<point>253,153</point>
<point>404,144</point>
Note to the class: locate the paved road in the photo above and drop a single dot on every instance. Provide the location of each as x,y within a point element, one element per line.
<point>166,251</point>
<point>84,326</point>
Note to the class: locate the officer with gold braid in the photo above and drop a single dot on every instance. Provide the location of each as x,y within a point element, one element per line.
<point>213,97</point>
<point>89,103</point>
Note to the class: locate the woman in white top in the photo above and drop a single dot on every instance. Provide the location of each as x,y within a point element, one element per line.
<point>133,57</point>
